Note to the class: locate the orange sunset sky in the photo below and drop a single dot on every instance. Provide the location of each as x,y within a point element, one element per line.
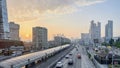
<point>68,17</point>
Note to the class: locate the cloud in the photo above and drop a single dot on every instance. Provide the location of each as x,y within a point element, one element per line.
<point>32,9</point>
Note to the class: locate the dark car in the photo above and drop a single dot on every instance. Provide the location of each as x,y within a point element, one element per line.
<point>70,53</point>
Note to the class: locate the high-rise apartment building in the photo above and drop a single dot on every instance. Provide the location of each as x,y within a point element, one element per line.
<point>14,31</point>
<point>40,38</point>
<point>95,32</point>
<point>4,26</point>
<point>109,31</point>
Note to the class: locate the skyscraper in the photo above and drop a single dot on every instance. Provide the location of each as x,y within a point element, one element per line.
<point>40,38</point>
<point>4,26</point>
<point>109,31</point>
<point>14,31</point>
<point>95,32</point>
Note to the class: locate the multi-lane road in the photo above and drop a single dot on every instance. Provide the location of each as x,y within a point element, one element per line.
<point>76,61</point>
<point>84,62</point>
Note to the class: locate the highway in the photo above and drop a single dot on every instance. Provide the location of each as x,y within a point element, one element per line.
<point>84,62</point>
<point>76,61</point>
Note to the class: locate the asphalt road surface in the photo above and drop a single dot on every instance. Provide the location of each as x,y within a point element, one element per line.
<point>76,61</point>
<point>84,62</point>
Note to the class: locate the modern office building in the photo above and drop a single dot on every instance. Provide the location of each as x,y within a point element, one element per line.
<point>109,31</point>
<point>95,32</point>
<point>14,31</point>
<point>40,38</point>
<point>4,26</point>
<point>85,37</point>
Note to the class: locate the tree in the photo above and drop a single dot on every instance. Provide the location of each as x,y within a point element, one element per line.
<point>118,40</point>
<point>111,42</point>
<point>117,43</point>
<point>105,44</point>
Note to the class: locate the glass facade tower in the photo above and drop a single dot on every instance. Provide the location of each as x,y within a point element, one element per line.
<point>4,26</point>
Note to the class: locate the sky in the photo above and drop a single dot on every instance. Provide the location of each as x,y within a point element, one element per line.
<point>68,17</point>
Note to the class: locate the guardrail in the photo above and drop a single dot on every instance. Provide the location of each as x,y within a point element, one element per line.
<point>97,64</point>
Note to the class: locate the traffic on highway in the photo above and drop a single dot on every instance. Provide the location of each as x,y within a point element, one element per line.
<point>71,60</point>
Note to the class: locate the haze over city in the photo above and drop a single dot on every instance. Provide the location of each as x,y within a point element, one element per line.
<point>70,17</point>
<point>59,34</point>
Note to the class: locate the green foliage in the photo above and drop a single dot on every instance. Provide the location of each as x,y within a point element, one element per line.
<point>106,50</point>
<point>105,44</point>
<point>111,42</point>
<point>117,43</point>
<point>115,66</point>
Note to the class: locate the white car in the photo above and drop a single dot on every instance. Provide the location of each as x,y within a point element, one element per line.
<point>59,65</point>
<point>67,56</point>
<point>70,62</point>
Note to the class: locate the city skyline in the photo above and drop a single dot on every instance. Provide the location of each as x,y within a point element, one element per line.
<point>60,20</point>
